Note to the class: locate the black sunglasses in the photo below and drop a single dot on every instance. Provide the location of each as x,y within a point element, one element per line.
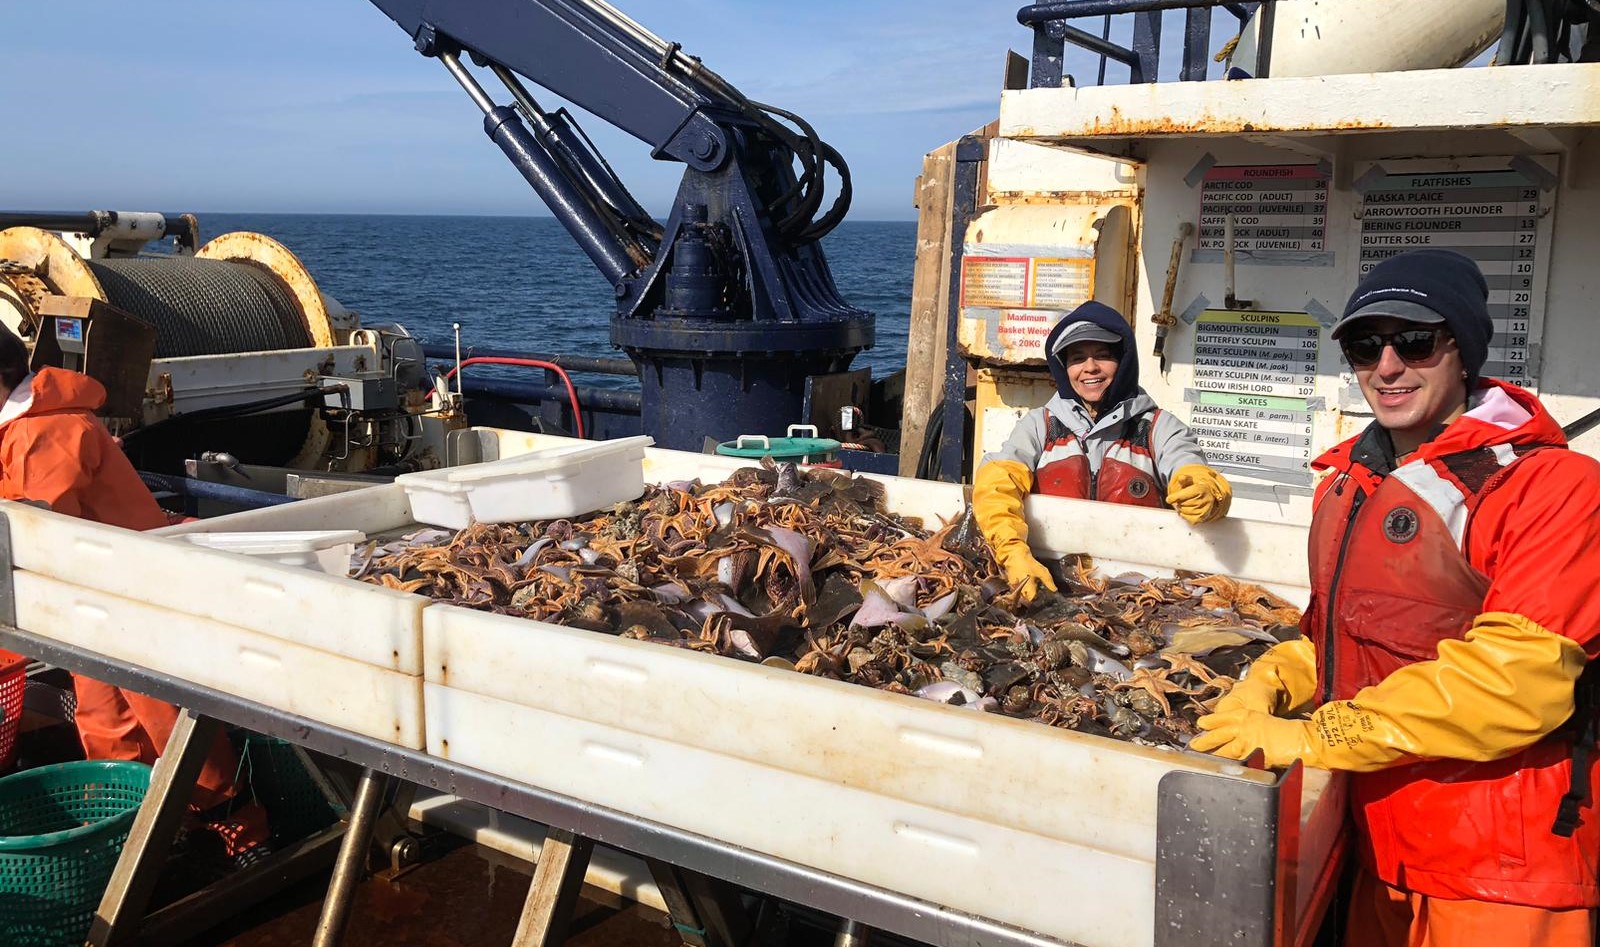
<point>1412,345</point>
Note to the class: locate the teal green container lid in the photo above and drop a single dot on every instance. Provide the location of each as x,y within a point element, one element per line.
<point>780,448</point>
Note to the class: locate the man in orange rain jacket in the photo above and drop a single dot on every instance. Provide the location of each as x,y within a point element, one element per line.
<point>1455,602</point>
<point>53,450</point>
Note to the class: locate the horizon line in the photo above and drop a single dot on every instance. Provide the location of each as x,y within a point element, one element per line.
<point>383,213</point>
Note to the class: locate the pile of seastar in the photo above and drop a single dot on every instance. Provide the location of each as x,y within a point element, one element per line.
<point>806,570</point>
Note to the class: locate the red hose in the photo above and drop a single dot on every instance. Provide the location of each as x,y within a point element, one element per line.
<point>572,394</point>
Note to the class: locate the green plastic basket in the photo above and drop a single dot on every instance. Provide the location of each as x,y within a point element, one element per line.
<point>61,830</point>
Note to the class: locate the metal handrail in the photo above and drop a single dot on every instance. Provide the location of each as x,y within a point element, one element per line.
<point>1052,32</point>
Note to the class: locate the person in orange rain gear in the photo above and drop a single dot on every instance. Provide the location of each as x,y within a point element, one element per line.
<point>54,451</point>
<point>1455,604</point>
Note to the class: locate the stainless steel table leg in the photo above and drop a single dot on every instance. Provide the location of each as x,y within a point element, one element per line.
<point>557,879</point>
<point>852,934</point>
<point>352,860</point>
<point>172,781</point>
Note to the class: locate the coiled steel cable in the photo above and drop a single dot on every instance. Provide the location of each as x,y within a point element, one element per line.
<point>214,307</point>
<point>205,307</point>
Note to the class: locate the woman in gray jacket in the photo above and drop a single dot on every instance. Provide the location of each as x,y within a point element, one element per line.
<point>1099,437</point>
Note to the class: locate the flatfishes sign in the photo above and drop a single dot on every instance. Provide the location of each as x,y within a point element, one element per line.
<point>1495,218</point>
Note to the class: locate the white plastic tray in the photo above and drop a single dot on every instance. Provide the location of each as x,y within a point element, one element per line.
<point>325,550</point>
<point>369,624</point>
<point>372,510</point>
<point>959,861</point>
<point>569,479</point>
<point>1047,830</point>
<point>279,673</point>
<point>966,762</point>
<point>869,785</point>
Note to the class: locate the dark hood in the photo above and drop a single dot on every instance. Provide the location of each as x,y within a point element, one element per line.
<point>1126,383</point>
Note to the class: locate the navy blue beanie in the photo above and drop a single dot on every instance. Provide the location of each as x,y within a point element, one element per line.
<point>1417,284</point>
<point>1126,383</point>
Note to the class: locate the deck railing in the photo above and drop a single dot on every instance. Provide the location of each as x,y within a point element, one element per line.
<point>1052,30</point>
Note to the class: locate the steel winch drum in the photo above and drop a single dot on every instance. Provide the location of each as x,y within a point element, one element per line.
<point>242,292</point>
<point>204,307</point>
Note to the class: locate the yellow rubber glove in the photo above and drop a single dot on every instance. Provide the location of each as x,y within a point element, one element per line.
<point>1236,734</point>
<point>997,493</point>
<point>1505,686</point>
<point>1199,494</point>
<point>1280,681</point>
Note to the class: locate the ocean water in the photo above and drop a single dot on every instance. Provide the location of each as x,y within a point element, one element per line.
<point>522,283</point>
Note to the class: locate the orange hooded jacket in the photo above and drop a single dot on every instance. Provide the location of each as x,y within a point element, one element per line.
<point>52,448</point>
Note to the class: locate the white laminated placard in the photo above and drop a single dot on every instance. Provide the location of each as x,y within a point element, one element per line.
<point>1496,211</point>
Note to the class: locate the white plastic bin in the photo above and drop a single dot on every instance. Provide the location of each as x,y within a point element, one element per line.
<point>566,481</point>
<point>327,550</point>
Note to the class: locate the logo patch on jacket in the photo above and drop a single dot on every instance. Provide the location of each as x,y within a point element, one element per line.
<point>1138,487</point>
<point>1400,526</point>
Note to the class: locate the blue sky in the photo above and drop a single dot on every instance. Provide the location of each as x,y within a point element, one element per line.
<point>322,106</point>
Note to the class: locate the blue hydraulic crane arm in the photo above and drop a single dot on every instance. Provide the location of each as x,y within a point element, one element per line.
<point>592,56</point>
